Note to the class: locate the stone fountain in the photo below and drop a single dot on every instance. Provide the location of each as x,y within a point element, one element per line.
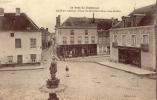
<point>52,85</point>
<point>53,82</point>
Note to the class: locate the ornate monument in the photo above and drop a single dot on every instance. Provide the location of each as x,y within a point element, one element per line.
<point>53,82</point>
<point>52,85</point>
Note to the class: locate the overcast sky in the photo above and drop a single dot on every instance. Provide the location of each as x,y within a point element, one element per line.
<point>43,12</point>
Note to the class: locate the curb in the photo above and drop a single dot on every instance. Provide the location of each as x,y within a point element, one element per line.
<point>22,69</point>
<point>143,75</point>
<point>151,76</point>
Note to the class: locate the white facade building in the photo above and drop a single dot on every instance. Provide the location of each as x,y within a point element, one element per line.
<point>20,39</point>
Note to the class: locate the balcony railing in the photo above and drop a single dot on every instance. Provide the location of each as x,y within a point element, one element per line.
<point>114,44</point>
<point>145,47</point>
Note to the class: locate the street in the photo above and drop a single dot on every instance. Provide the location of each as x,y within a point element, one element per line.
<point>87,81</point>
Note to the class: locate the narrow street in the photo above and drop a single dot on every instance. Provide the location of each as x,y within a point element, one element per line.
<point>87,81</point>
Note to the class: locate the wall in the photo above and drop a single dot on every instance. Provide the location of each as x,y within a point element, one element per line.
<point>60,33</point>
<point>7,45</point>
<point>147,58</point>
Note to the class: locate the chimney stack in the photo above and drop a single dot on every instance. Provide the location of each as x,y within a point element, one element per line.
<point>18,11</point>
<point>1,12</point>
<point>93,21</point>
<point>58,21</point>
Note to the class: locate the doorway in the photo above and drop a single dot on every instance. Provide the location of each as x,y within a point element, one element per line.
<point>19,59</point>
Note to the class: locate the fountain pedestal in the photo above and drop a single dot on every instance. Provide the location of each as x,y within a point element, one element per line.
<point>53,82</point>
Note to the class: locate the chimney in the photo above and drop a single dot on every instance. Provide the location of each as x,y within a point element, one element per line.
<point>93,21</point>
<point>113,22</point>
<point>47,29</point>
<point>58,21</point>
<point>1,12</point>
<point>124,21</point>
<point>17,11</point>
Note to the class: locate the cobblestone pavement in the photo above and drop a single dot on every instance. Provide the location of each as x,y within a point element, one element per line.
<point>87,81</point>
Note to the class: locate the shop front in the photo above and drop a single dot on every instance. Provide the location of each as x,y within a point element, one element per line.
<point>77,50</point>
<point>130,55</point>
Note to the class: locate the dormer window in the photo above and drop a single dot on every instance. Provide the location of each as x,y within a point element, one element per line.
<point>11,34</point>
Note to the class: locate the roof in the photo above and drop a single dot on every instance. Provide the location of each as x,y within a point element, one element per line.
<point>147,14</point>
<point>148,10</point>
<point>12,22</point>
<point>84,22</point>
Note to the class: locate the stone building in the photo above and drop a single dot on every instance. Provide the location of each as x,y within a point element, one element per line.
<point>104,36</point>
<point>133,40</point>
<point>46,38</point>
<point>78,36</point>
<point>20,39</point>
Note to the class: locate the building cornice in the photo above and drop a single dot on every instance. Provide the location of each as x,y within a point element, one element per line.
<point>77,27</point>
<point>126,28</point>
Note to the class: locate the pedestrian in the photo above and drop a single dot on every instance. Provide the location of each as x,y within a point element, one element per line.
<point>67,71</point>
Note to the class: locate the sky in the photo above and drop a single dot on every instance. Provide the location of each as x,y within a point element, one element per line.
<point>44,12</point>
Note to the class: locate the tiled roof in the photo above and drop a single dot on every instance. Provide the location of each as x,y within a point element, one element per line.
<point>148,10</point>
<point>105,24</point>
<point>11,21</point>
<point>148,18</point>
<point>87,22</point>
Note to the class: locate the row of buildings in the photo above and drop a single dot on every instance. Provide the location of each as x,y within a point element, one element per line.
<point>131,40</point>
<point>82,36</point>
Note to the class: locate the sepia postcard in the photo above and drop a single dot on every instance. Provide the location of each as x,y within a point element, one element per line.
<point>78,49</point>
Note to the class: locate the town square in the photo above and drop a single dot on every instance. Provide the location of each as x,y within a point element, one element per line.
<point>79,50</point>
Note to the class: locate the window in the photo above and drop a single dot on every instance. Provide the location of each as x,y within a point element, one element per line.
<point>33,57</point>
<point>93,39</point>
<point>86,40</point>
<point>72,40</point>
<point>64,40</point>
<point>72,32</point>
<point>10,59</point>
<point>133,40</point>
<point>17,43</point>
<point>145,39</point>
<point>79,40</point>
<point>86,32</point>
<point>11,34</point>
<point>123,40</point>
<point>115,39</point>
<point>33,42</point>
